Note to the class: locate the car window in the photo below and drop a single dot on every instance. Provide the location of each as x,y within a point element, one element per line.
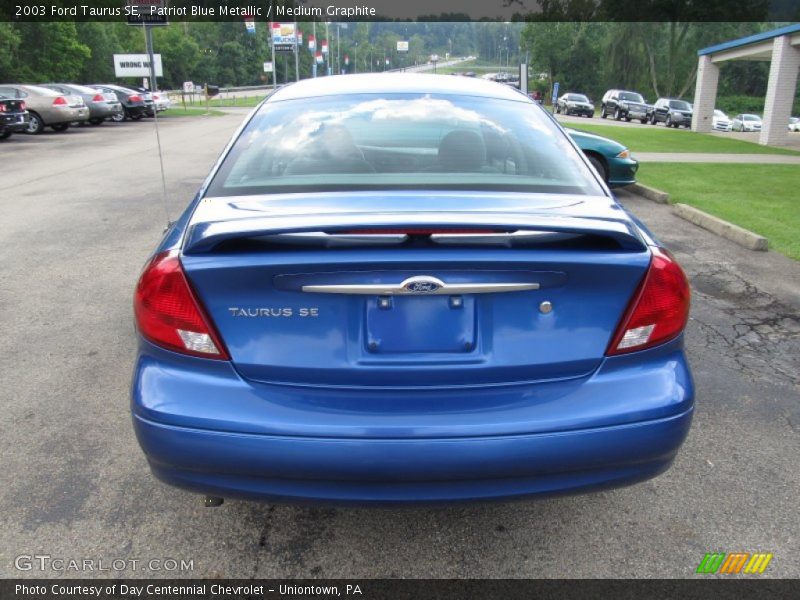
<point>631,97</point>
<point>751,118</point>
<point>679,105</point>
<point>43,91</point>
<point>402,141</point>
<point>719,113</point>
<point>10,92</point>
<point>82,89</point>
<point>577,98</point>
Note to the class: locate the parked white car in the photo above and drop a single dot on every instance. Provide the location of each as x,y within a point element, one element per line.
<point>746,123</point>
<point>162,101</point>
<point>720,121</point>
<point>794,124</point>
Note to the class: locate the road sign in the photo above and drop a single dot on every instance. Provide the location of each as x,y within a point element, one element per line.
<point>136,65</point>
<point>146,12</point>
<point>284,37</point>
<point>268,67</point>
<point>188,87</point>
<point>402,46</point>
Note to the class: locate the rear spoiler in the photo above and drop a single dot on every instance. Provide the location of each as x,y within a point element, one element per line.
<point>205,236</point>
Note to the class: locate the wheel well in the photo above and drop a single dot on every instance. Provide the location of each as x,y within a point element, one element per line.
<point>601,159</point>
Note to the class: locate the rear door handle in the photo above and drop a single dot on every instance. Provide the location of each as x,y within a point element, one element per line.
<point>420,285</point>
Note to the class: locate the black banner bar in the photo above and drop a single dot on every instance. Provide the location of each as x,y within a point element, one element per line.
<point>408,10</point>
<point>400,589</point>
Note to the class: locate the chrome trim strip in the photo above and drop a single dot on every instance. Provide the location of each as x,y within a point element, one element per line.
<point>421,285</point>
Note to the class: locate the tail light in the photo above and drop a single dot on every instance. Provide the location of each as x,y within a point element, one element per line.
<point>98,98</point>
<point>2,107</point>
<point>155,96</point>
<point>23,106</point>
<point>169,314</point>
<point>135,98</point>
<point>60,101</point>
<point>659,309</point>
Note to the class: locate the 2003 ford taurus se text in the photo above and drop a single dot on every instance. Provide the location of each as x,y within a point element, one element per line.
<point>405,288</point>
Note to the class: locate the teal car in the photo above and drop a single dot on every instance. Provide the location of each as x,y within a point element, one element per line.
<point>611,159</point>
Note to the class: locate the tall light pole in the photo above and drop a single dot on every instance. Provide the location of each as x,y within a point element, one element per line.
<point>328,53</point>
<point>338,60</point>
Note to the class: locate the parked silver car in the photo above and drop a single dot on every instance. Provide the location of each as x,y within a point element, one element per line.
<point>720,121</point>
<point>746,123</point>
<point>47,108</point>
<point>101,105</point>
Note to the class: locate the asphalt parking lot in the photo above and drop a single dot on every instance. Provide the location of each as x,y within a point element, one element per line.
<point>82,210</point>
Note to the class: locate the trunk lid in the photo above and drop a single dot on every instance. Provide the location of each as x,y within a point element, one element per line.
<point>365,289</point>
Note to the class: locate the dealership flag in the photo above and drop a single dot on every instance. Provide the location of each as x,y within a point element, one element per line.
<point>319,57</point>
<point>312,43</point>
<point>346,60</point>
<point>250,24</point>
<point>324,46</point>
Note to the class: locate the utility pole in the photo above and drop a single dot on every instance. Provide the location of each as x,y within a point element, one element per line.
<point>296,55</point>
<point>314,52</point>
<point>338,60</point>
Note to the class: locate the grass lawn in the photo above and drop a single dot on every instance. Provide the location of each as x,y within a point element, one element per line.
<point>761,198</point>
<point>661,139</point>
<point>244,101</point>
<point>189,111</point>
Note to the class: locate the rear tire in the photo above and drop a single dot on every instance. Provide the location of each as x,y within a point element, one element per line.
<point>60,127</point>
<point>617,115</point>
<point>4,135</point>
<point>668,122</point>
<point>603,112</point>
<point>118,117</point>
<point>35,124</point>
<point>653,119</point>
<point>96,121</point>
<point>644,121</point>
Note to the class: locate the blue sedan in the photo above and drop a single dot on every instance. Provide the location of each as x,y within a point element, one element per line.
<point>407,288</point>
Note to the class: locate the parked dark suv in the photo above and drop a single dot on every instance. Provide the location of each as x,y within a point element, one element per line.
<point>624,105</point>
<point>671,112</point>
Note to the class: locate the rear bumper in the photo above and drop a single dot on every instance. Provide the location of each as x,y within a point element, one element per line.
<point>211,432</point>
<point>14,122</point>
<point>398,471</point>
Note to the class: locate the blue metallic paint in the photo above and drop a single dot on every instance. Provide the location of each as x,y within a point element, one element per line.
<point>206,428</point>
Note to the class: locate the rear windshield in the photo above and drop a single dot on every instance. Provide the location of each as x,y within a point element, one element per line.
<point>577,98</point>
<point>631,97</point>
<point>82,89</point>
<point>402,141</point>
<point>679,105</point>
<point>42,91</point>
<point>751,118</point>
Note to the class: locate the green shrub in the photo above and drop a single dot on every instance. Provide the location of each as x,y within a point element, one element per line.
<point>734,105</point>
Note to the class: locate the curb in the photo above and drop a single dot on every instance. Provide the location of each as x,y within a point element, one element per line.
<point>729,231</point>
<point>651,194</point>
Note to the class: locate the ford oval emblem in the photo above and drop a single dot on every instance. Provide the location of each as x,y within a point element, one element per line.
<point>422,285</point>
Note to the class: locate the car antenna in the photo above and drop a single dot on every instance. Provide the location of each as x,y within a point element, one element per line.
<point>148,41</point>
